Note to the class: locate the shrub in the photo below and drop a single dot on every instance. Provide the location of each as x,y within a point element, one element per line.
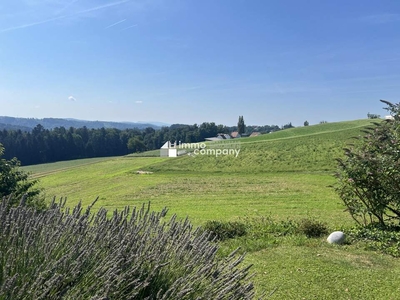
<point>368,178</point>
<point>225,230</point>
<point>385,239</point>
<point>312,228</point>
<point>73,254</point>
<point>263,226</point>
<point>16,182</point>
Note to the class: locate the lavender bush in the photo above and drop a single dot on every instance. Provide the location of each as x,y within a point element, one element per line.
<point>74,254</point>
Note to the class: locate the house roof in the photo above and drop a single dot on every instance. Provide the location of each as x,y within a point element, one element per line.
<point>235,134</point>
<point>224,136</point>
<point>212,139</point>
<point>255,134</point>
<point>220,136</point>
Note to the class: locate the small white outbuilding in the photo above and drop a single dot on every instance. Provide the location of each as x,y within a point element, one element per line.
<point>169,150</point>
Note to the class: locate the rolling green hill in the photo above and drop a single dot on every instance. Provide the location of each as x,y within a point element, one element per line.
<point>314,129</point>
<point>307,149</point>
<point>284,176</point>
<point>274,166</point>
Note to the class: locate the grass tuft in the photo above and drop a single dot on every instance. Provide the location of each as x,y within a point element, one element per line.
<point>312,228</point>
<point>225,230</point>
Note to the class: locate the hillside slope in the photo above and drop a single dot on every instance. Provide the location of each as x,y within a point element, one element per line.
<point>312,148</point>
<point>204,188</point>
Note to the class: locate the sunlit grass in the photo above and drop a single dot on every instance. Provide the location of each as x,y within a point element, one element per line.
<point>283,178</point>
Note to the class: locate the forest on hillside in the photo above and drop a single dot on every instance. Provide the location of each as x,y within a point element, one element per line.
<point>50,145</point>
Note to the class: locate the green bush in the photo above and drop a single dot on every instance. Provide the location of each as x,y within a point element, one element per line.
<point>368,178</point>
<point>385,239</point>
<point>14,181</point>
<point>73,254</point>
<point>225,230</point>
<point>312,228</point>
<point>265,226</point>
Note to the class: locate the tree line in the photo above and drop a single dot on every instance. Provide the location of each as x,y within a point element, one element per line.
<point>50,145</point>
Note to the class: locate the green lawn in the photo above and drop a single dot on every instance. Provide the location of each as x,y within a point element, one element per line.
<point>46,169</point>
<point>152,153</point>
<point>314,129</point>
<point>287,177</point>
<point>222,196</point>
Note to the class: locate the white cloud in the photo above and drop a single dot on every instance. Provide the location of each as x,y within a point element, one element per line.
<point>116,23</point>
<point>32,24</point>
<point>60,17</point>
<point>66,6</point>
<point>138,102</point>
<point>134,25</point>
<point>103,6</point>
<point>71,98</point>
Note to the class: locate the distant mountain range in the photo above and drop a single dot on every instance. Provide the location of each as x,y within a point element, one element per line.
<point>27,124</point>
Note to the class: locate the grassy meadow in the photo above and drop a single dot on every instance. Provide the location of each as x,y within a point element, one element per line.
<point>280,176</point>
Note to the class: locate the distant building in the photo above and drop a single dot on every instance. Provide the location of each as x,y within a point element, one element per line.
<point>169,150</point>
<point>235,135</point>
<point>176,149</point>
<point>225,136</point>
<point>219,137</point>
<point>213,139</point>
<point>255,134</point>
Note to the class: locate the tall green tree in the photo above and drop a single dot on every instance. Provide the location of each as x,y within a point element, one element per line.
<point>136,145</point>
<point>241,125</point>
<point>368,177</point>
<point>14,181</point>
<point>287,126</point>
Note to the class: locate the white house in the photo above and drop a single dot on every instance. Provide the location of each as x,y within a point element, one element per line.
<point>169,150</point>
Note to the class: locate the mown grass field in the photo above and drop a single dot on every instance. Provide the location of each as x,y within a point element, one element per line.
<point>283,175</point>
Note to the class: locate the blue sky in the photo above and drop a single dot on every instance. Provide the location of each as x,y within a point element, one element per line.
<point>191,61</point>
